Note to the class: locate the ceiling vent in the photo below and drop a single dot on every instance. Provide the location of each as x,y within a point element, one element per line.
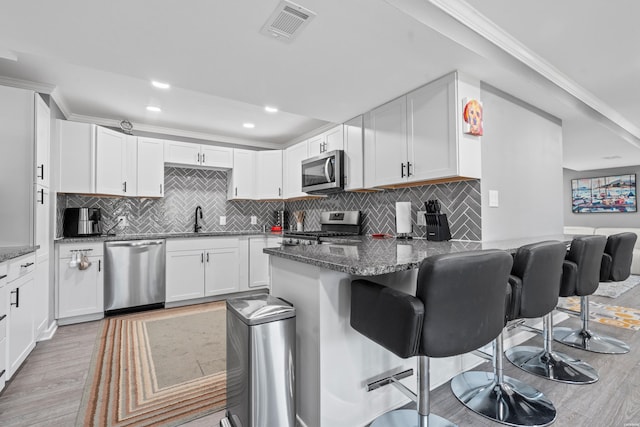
<point>286,22</point>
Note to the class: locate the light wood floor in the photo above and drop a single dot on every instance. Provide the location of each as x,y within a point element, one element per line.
<point>48,388</point>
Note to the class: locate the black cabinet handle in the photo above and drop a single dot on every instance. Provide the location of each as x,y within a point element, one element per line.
<point>202,258</point>
<point>124,187</point>
<point>99,265</point>
<point>2,373</point>
<point>203,161</point>
<point>408,168</point>
<point>29,264</point>
<point>160,189</point>
<point>17,292</point>
<point>402,171</point>
<point>198,157</point>
<point>207,256</point>
<point>41,167</point>
<point>279,191</point>
<point>236,191</point>
<point>2,317</point>
<point>41,201</point>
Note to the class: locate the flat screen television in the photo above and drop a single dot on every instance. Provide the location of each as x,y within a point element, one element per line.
<point>610,194</point>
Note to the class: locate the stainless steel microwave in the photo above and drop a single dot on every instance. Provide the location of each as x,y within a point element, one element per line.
<point>323,174</point>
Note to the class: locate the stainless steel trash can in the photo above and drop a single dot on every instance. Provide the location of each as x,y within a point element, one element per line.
<point>261,332</point>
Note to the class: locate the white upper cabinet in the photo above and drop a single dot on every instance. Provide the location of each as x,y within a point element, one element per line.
<point>241,177</point>
<point>353,154</point>
<point>187,154</point>
<point>292,176</point>
<point>216,157</point>
<point>268,175</point>
<point>326,141</point>
<point>115,153</point>
<point>386,143</point>
<point>150,168</point>
<point>77,154</point>
<point>418,137</point>
<point>43,132</point>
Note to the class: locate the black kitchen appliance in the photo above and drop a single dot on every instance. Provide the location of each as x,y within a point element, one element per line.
<point>437,223</point>
<point>332,224</point>
<point>81,222</point>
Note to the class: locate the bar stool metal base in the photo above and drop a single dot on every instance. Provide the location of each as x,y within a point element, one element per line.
<point>409,418</point>
<point>587,340</point>
<point>511,402</point>
<point>552,365</point>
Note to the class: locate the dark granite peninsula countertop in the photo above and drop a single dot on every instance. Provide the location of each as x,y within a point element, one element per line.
<point>367,256</point>
<point>121,237</point>
<point>9,253</point>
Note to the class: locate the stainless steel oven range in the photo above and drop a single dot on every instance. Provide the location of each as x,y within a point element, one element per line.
<point>332,224</point>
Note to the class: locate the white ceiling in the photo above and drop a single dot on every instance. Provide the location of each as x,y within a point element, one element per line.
<point>355,55</point>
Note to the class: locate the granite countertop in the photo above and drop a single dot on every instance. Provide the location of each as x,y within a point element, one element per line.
<point>367,256</point>
<point>151,236</point>
<point>9,253</point>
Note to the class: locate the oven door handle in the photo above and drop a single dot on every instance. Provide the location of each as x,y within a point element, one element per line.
<point>328,170</point>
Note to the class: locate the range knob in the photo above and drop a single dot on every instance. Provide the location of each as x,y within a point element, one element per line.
<point>297,241</point>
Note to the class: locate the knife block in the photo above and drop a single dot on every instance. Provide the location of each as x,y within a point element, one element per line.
<point>437,227</point>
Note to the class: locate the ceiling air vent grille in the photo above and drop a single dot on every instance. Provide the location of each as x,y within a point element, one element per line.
<point>287,21</point>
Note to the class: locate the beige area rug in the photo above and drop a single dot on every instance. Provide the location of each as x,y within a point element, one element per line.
<point>613,315</point>
<point>615,289</point>
<point>157,368</point>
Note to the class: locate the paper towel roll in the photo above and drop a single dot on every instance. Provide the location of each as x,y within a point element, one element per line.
<point>403,217</point>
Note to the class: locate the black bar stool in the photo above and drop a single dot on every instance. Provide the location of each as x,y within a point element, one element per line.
<point>535,281</point>
<point>581,274</point>
<point>617,257</point>
<point>458,307</point>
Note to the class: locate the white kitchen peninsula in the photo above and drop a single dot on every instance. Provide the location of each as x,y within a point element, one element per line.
<point>334,362</point>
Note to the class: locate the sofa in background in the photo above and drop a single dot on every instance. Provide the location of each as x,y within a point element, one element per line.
<point>607,231</point>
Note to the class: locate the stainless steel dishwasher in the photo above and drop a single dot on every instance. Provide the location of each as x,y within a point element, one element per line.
<point>134,274</point>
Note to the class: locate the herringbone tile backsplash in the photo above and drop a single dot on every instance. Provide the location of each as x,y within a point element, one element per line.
<point>187,188</point>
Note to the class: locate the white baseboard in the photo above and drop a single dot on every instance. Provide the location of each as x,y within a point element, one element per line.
<point>48,333</point>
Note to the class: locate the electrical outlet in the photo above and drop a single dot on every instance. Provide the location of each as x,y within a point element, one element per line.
<point>122,221</point>
<point>421,219</point>
<point>254,220</point>
<point>223,220</point>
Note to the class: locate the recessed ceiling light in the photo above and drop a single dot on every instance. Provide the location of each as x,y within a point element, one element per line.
<point>270,109</point>
<point>611,157</point>
<point>160,85</point>
<point>249,125</point>
<point>153,108</point>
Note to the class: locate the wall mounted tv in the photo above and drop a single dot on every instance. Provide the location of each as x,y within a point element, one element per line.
<point>604,194</point>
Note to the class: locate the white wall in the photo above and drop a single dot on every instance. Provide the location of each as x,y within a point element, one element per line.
<point>522,160</point>
<point>599,219</point>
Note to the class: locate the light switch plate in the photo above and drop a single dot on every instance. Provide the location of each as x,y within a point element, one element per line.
<point>223,220</point>
<point>421,219</point>
<point>254,220</point>
<point>493,199</point>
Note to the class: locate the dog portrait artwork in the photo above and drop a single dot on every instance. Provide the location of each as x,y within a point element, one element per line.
<point>472,115</point>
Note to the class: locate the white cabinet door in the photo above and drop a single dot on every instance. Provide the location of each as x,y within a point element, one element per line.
<point>185,275</point>
<point>259,268</point>
<point>43,202</point>
<point>129,161</point>
<point>20,335</point>
<point>334,139</point>
<point>41,295</point>
<point>242,175</point>
<point>80,292</point>
<point>182,153</point>
<point>353,154</point>
<point>293,157</point>
<point>77,157</point>
<point>268,174</point>
<point>150,168</point>
<point>216,157</point>
<point>222,273</point>
<point>315,145</point>
<point>43,133</point>
<point>110,170</point>
<point>388,145</point>
<point>432,131</point>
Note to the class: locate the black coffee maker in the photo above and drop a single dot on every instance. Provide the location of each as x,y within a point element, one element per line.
<point>437,223</point>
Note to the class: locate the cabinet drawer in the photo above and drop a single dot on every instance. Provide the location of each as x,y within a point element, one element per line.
<point>21,266</point>
<point>201,243</point>
<point>65,250</point>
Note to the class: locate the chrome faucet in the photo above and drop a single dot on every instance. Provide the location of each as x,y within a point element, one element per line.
<point>197,226</point>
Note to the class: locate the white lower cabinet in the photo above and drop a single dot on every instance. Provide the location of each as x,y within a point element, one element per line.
<point>79,293</point>
<point>202,267</point>
<point>4,319</point>
<point>20,293</point>
<point>259,270</point>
